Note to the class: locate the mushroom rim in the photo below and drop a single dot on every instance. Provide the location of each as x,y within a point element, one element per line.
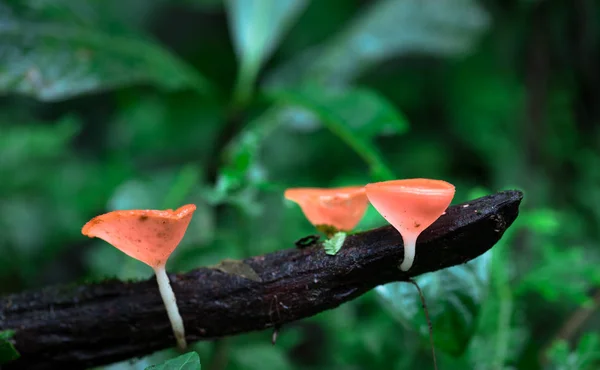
<point>299,195</point>
<point>403,186</point>
<point>169,214</point>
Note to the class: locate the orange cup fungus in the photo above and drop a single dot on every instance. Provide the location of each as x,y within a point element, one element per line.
<point>341,208</point>
<point>149,236</point>
<point>411,206</point>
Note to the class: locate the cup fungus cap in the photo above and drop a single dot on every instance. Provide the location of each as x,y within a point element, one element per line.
<point>341,208</point>
<point>149,236</point>
<point>410,206</point>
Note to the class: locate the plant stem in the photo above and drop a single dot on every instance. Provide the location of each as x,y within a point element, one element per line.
<point>429,325</point>
<point>168,297</point>
<point>244,87</point>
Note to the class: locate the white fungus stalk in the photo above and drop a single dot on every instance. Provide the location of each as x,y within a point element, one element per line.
<point>168,297</point>
<point>410,242</point>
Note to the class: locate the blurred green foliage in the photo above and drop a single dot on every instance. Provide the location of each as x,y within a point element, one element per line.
<point>7,350</point>
<point>188,361</point>
<point>133,104</point>
<point>584,356</point>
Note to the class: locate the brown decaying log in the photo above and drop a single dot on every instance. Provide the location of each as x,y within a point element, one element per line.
<point>89,325</point>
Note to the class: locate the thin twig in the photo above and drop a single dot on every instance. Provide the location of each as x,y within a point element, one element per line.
<point>424,304</point>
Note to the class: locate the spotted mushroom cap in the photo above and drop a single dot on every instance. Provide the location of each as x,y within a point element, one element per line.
<point>149,236</point>
<point>341,208</point>
<point>411,205</point>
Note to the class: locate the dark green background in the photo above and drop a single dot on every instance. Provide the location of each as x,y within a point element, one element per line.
<point>109,104</point>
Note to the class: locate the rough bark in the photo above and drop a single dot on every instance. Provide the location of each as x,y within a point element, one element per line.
<point>86,325</point>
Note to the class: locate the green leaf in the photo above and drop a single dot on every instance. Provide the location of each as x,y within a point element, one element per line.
<point>453,297</point>
<point>257,26</point>
<point>335,243</point>
<point>385,29</point>
<point>6,334</point>
<point>188,361</point>
<point>354,115</point>
<point>365,112</point>
<point>585,357</point>
<point>53,57</point>
<point>7,350</point>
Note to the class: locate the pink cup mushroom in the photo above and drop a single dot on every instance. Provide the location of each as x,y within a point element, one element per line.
<point>411,206</point>
<point>149,236</point>
<point>340,208</point>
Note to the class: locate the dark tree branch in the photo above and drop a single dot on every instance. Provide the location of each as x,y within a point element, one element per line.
<point>89,325</point>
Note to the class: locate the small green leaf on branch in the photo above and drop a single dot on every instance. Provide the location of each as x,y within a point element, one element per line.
<point>335,243</point>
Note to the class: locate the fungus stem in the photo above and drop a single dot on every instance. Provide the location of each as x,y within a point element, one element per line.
<point>409,252</point>
<point>168,297</point>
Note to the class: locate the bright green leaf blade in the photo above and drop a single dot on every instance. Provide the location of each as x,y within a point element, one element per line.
<point>333,245</point>
<point>354,115</point>
<point>59,57</point>
<point>365,112</point>
<point>453,297</point>
<point>386,29</point>
<point>7,350</point>
<point>188,361</point>
<point>257,26</point>
<point>6,334</point>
